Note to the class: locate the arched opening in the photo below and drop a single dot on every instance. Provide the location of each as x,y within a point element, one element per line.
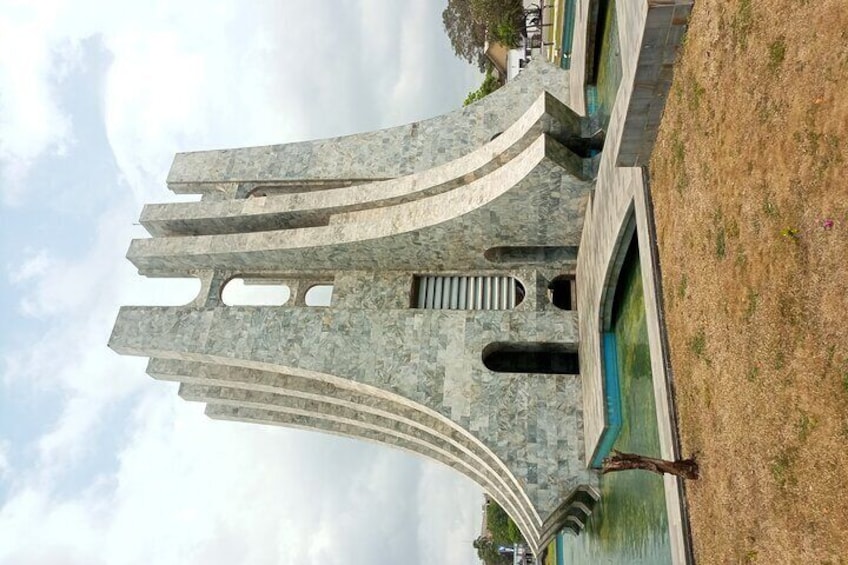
<point>561,292</point>
<point>461,292</point>
<point>319,295</point>
<point>524,254</point>
<point>252,292</point>
<point>531,357</point>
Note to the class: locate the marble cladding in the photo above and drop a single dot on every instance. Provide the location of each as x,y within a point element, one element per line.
<point>387,153</point>
<point>662,34</point>
<point>446,231</point>
<point>369,365</point>
<point>531,423</point>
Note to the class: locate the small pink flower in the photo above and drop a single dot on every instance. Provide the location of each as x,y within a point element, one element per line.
<point>827,224</point>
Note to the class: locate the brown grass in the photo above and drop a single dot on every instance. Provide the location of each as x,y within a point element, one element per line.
<point>751,162</point>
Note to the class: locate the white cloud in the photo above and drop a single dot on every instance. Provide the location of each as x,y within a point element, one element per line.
<point>180,488</point>
<point>190,490</point>
<point>34,265</point>
<point>30,120</point>
<point>5,464</point>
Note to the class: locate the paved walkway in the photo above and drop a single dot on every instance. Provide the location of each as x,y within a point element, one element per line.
<point>650,32</point>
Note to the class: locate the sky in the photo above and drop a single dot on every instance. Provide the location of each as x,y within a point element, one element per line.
<point>99,463</point>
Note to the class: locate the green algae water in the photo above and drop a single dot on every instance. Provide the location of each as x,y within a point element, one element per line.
<point>629,525</point>
<point>609,67</point>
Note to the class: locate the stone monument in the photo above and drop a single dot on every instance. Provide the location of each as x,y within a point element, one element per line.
<point>450,246</point>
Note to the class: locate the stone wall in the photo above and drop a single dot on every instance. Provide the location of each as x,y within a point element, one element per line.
<point>370,365</point>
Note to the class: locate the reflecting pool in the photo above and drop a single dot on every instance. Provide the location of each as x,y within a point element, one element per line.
<point>609,65</point>
<point>629,525</point>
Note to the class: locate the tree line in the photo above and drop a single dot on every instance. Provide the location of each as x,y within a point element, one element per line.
<point>470,23</point>
<point>502,531</point>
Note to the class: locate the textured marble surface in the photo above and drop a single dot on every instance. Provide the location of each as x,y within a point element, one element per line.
<point>387,153</point>
<point>375,210</point>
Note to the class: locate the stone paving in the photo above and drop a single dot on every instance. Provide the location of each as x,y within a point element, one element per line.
<point>649,32</point>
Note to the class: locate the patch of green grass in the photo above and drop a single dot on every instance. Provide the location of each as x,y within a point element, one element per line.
<point>720,234</point>
<point>752,374</point>
<point>831,351</point>
<point>742,23</point>
<point>777,53</point>
<point>782,467</point>
<point>678,151</point>
<point>832,154</point>
<point>720,244</point>
<point>753,301</point>
<point>696,93</point>
<point>698,344</point>
<point>682,286</point>
<point>681,183</point>
<point>678,159</point>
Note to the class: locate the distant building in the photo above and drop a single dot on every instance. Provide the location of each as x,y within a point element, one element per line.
<point>506,62</point>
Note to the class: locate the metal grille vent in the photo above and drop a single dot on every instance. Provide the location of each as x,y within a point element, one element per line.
<point>467,293</point>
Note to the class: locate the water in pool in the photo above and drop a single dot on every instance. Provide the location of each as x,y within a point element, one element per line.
<point>629,524</point>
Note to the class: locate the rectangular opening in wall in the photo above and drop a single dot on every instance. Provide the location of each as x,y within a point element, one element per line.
<point>562,292</point>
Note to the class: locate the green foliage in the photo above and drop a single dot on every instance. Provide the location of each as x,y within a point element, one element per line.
<point>783,468</point>
<point>466,31</point>
<point>791,234</point>
<point>507,34</point>
<point>487,551</point>
<point>742,24</point>
<point>720,244</point>
<point>698,343</point>
<point>469,23</point>
<point>777,53</point>
<point>503,532</point>
<point>490,84</point>
<point>503,529</point>
<point>513,532</point>
<point>753,301</point>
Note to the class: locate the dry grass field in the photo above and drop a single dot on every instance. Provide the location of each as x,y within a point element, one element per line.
<point>749,180</point>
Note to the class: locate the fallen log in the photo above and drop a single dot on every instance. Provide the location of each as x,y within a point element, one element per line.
<point>684,468</point>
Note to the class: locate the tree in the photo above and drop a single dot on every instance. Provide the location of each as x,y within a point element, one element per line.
<point>503,19</point>
<point>466,32</point>
<point>487,551</point>
<point>490,84</point>
<point>469,23</point>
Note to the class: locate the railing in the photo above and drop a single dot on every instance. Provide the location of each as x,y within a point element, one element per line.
<point>568,33</point>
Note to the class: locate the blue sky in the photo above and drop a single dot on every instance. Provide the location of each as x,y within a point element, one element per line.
<point>98,462</point>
